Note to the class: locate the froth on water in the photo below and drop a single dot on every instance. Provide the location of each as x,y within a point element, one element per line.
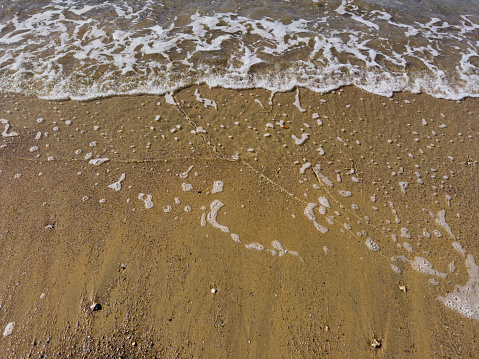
<point>71,49</point>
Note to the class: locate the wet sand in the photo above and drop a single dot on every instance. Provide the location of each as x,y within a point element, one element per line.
<point>273,265</point>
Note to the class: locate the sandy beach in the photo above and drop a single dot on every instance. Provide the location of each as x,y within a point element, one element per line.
<point>221,223</point>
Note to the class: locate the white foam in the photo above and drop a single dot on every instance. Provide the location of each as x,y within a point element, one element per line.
<point>98,161</point>
<point>166,56</point>
<point>8,329</point>
<point>324,201</point>
<point>148,202</point>
<point>345,193</point>
<point>117,185</point>
<point>405,233</point>
<point>457,246</point>
<point>211,217</point>
<point>309,213</point>
<point>258,102</point>
<point>217,187</point>
<point>235,237</point>
<point>408,247</point>
<point>297,103</point>
<point>396,269</point>
<point>187,187</point>
<point>441,220</point>
<point>184,175</point>
<point>299,141</point>
<point>448,200</point>
<point>404,186</point>
<point>341,140</point>
<point>372,246</point>
<point>279,248</point>
<point>465,299</point>
<point>170,100</point>
<point>5,131</point>
<point>322,177</point>
<point>304,167</point>
<point>255,245</point>
<point>205,101</point>
<point>422,265</point>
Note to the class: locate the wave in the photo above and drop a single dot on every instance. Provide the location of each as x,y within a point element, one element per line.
<point>81,51</point>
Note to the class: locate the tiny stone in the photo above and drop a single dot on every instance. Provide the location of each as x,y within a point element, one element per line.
<point>95,307</point>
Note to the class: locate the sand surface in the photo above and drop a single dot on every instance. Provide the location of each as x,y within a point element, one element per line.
<point>271,263</point>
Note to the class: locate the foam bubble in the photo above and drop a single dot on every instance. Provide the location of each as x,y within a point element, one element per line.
<point>396,269</point>
<point>441,220</point>
<point>465,299</point>
<point>217,187</point>
<point>324,201</point>
<point>187,187</point>
<point>297,103</point>
<point>184,175</point>
<point>117,185</point>
<point>457,246</point>
<point>255,245</point>
<point>404,186</point>
<point>170,100</point>
<point>161,54</point>
<point>309,213</point>
<point>322,177</point>
<point>5,131</point>
<point>98,161</point>
<point>148,200</point>
<point>422,265</point>
<point>205,101</point>
<point>211,217</point>
<point>276,245</point>
<point>372,246</point>
<point>299,141</point>
<point>8,329</point>
<point>405,233</point>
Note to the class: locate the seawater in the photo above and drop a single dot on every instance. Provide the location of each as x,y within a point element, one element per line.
<point>86,49</point>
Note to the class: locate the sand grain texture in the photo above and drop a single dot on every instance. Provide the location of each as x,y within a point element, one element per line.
<point>69,240</point>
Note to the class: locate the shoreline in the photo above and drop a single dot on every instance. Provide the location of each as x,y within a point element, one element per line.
<point>294,88</point>
<point>298,278</point>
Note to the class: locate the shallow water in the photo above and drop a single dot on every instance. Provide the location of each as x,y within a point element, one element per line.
<point>72,49</point>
